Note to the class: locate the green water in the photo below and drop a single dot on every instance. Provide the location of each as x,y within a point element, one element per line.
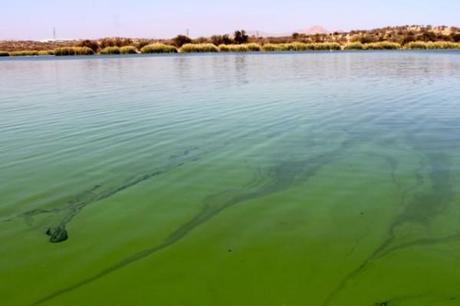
<point>231,180</point>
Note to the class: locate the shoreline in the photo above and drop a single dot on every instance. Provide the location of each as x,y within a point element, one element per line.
<point>295,47</point>
<point>141,55</point>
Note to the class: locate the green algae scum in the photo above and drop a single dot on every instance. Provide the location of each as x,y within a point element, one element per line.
<point>289,179</point>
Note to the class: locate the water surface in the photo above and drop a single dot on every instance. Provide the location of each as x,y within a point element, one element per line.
<point>257,179</point>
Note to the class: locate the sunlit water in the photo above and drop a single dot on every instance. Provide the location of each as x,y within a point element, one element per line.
<point>314,179</point>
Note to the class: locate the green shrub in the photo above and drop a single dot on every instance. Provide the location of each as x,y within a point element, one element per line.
<point>68,51</point>
<point>252,47</point>
<point>158,48</point>
<point>128,50</point>
<point>354,46</point>
<point>24,53</point>
<point>3,53</point>
<point>110,50</point>
<point>383,45</point>
<point>188,48</point>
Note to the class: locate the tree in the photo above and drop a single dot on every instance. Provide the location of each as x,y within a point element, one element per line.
<point>115,42</point>
<point>93,45</point>
<point>200,40</point>
<point>368,38</point>
<point>221,39</point>
<point>181,40</point>
<point>240,37</point>
<point>142,43</point>
<point>317,38</point>
<point>455,37</point>
<point>428,36</point>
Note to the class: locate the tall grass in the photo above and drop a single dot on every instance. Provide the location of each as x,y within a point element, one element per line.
<point>443,45</point>
<point>300,46</point>
<point>273,47</point>
<point>31,53</point>
<point>128,50</point>
<point>24,53</point>
<point>422,45</point>
<point>206,47</point>
<point>327,46</point>
<point>3,53</point>
<point>46,52</point>
<point>110,50</point>
<point>158,48</point>
<point>252,47</point>
<point>416,45</point>
<point>383,45</point>
<point>354,46</point>
<point>297,46</point>
<point>68,51</point>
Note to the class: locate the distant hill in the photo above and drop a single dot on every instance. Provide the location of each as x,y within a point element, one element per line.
<point>317,29</point>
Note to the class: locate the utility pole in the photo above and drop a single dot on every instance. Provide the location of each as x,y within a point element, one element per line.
<point>54,33</point>
<point>187,32</point>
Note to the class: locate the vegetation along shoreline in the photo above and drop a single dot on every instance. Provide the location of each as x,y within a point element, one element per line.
<point>389,38</point>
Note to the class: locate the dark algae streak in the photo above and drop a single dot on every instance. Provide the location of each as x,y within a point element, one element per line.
<point>418,208</point>
<point>58,232</point>
<point>278,178</point>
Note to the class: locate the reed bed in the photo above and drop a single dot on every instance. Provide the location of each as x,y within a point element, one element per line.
<point>442,45</point>
<point>128,50</point>
<point>273,47</point>
<point>110,51</point>
<point>297,46</point>
<point>29,53</point>
<point>25,53</point>
<point>46,52</point>
<point>158,48</point>
<point>198,48</point>
<point>300,46</point>
<point>327,46</point>
<point>68,51</point>
<point>248,47</point>
<point>354,46</point>
<point>252,47</point>
<point>383,45</point>
<point>416,45</point>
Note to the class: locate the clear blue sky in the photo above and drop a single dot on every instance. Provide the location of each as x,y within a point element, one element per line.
<point>35,19</point>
